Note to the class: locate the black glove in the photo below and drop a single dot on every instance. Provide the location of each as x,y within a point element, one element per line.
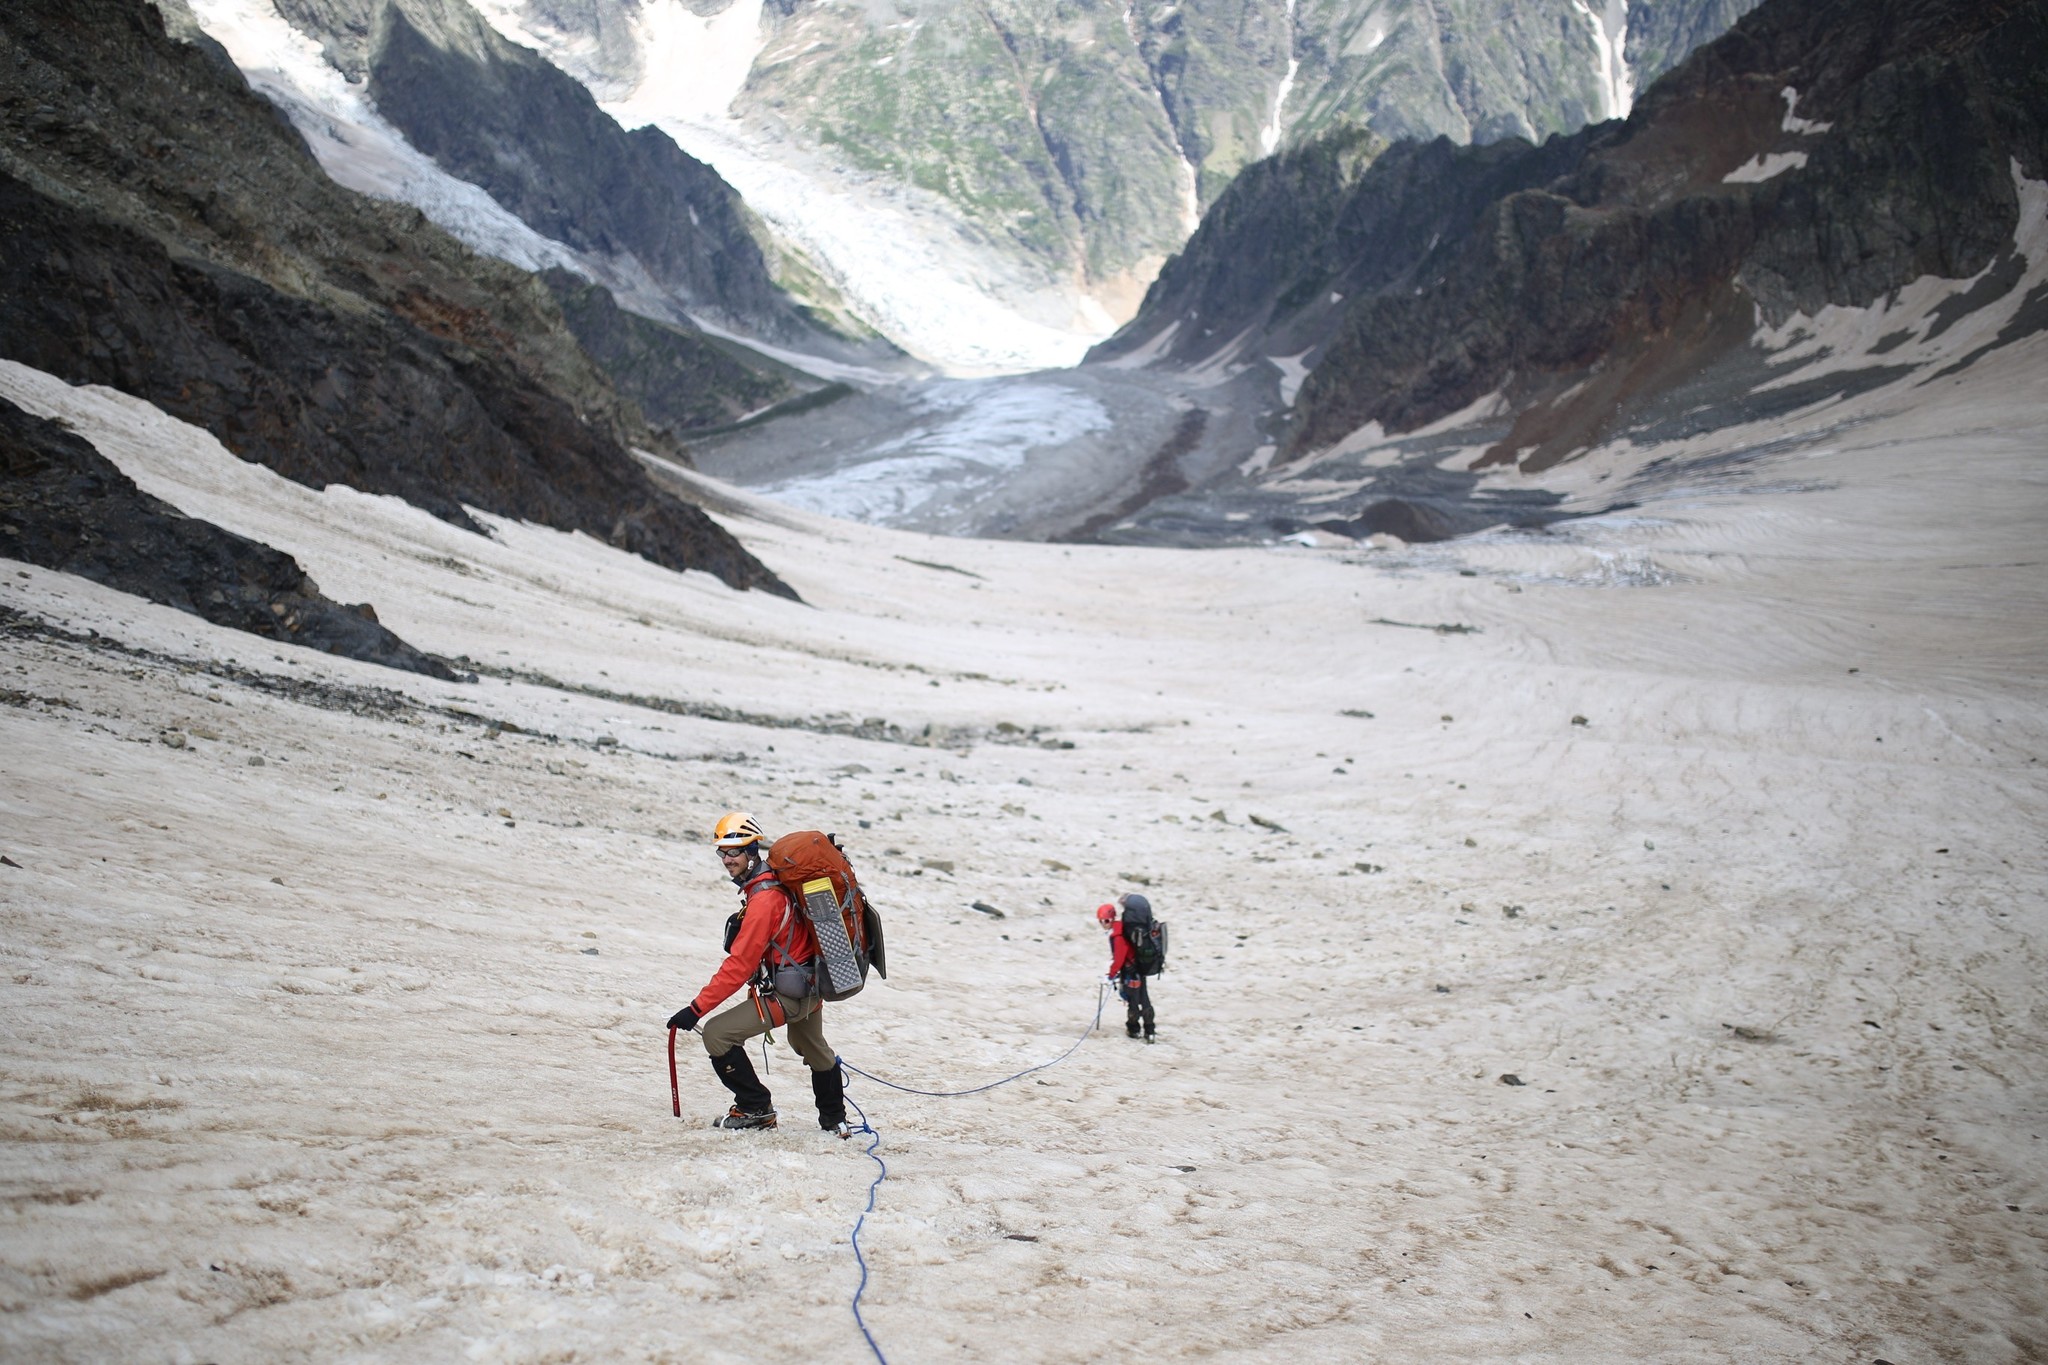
<point>685,1018</point>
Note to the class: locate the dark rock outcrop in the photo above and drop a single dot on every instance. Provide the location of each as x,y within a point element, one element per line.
<point>499,116</point>
<point>1300,233</point>
<point>1413,522</point>
<point>65,506</point>
<point>163,231</point>
<point>1592,281</point>
<point>1643,261</point>
<point>684,381</point>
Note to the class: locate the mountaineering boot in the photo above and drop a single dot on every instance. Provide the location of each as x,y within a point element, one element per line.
<point>736,1072</point>
<point>829,1089</point>
<point>737,1117</point>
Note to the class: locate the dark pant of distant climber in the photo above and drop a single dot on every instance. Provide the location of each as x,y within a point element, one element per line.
<point>1138,1006</point>
<point>769,935</point>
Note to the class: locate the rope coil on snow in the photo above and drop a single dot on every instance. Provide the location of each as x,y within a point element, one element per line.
<point>882,1172</point>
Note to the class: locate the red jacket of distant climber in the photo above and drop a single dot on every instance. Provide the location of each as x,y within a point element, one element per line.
<point>770,930</point>
<point>1120,954</point>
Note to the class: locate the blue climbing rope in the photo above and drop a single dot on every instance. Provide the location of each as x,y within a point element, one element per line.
<point>881,1174</point>
<point>882,1167</point>
<point>1101,994</point>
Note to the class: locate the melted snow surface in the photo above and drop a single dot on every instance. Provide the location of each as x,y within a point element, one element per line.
<point>1718,830</point>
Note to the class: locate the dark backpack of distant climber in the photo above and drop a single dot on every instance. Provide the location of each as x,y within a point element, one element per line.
<point>1146,935</point>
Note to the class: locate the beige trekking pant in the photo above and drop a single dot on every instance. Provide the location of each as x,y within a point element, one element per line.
<point>804,1027</point>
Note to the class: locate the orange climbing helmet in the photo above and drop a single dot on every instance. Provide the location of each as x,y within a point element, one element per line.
<point>1105,915</point>
<point>737,829</point>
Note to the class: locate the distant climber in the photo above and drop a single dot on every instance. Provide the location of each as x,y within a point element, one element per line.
<point>1137,952</point>
<point>770,949</point>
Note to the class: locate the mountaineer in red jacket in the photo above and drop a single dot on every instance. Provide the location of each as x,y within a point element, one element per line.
<point>1130,983</point>
<point>772,951</point>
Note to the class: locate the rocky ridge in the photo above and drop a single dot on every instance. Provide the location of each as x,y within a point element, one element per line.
<point>166,233</point>
<point>1896,126</point>
<point>1084,141</point>
<point>1101,122</point>
<point>500,117</point>
<point>65,506</point>
<point>1447,310</point>
<point>681,379</point>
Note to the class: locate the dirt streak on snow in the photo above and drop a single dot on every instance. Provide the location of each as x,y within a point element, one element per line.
<point>315,1058</point>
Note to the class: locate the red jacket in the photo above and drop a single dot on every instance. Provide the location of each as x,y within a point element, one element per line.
<point>771,930</point>
<point>1120,954</point>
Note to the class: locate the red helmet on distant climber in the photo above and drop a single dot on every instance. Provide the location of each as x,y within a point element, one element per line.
<point>737,829</point>
<point>1105,915</point>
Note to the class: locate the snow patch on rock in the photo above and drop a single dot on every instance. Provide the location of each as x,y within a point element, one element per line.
<point>1927,322</point>
<point>1763,166</point>
<point>1792,122</point>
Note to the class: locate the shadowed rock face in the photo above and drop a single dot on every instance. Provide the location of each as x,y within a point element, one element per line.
<point>1586,279</point>
<point>1643,260</point>
<point>164,232</point>
<point>682,380</point>
<point>1343,217</point>
<point>500,117</point>
<point>65,506</point>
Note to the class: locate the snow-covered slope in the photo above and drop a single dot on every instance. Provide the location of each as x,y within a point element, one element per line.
<point>1625,943</point>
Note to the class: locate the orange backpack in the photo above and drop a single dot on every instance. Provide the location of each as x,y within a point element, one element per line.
<point>814,871</point>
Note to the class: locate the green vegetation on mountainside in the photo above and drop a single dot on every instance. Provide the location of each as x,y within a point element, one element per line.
<point>1068,128</point>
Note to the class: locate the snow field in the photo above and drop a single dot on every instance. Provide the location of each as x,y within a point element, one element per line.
<point>1762,937</point>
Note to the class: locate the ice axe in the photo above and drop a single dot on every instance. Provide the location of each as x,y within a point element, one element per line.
<point>675,1093</point>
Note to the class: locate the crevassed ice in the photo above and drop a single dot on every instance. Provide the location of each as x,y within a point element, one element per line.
<point>695,64</point>
<point>977,433</point>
